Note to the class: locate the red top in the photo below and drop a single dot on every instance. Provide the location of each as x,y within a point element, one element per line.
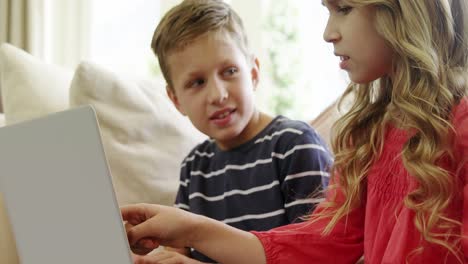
<point>382,228</point>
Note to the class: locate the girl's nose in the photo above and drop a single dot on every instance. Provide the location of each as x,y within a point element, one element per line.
<point>331,34</point>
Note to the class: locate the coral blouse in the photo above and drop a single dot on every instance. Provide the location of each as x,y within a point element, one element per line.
<point>382,228</point>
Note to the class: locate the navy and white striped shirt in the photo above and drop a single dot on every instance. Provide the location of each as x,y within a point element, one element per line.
<point>265,183</point>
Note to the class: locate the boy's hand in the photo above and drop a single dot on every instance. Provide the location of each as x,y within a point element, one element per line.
<point>148,226</point>
<point>165,257</point>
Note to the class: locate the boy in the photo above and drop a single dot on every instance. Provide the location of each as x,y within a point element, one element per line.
<point>255,172</point>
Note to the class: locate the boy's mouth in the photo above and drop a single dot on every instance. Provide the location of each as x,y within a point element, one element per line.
<point>221,114</point>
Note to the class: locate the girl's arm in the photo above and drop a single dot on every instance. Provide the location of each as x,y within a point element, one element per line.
<point>460,124</point>
<point>303,243</point>
<point>227,244</point>
<point>154,225</point>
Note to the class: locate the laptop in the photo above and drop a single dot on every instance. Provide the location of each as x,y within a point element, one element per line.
<point>58,191</point>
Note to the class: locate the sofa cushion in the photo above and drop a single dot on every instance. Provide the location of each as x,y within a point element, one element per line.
<point>144,136</point>
<point>325,121</point>
<point>30,87</point>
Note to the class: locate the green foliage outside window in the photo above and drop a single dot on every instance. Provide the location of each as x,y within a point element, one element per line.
<point>283,52</point>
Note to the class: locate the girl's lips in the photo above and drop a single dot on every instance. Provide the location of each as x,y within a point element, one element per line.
<point>344,62</point>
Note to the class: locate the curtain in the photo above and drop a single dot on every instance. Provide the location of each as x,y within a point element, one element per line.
<point>55,31</point>
<point>14,30</point>
<point>14,23</point>
<point>67,31</point>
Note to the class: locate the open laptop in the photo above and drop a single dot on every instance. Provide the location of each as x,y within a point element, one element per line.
<point>58,191</point>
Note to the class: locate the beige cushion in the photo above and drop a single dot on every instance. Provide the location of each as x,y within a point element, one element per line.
<point>30,87</point>
<point>324,122</point>
<point>144,136</point>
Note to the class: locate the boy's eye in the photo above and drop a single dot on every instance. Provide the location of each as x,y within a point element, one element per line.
<point>196,83</point>
<point>230,71</point>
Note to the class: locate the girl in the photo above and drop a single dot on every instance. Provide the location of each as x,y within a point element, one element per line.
<point>398,183</point>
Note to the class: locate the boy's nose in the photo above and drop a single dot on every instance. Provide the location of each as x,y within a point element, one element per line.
<point>217,93</point>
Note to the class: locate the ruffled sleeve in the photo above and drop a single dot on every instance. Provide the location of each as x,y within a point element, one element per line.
<point>303,243</point>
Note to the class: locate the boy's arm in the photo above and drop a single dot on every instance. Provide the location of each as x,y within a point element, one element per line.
<point>304,173</point>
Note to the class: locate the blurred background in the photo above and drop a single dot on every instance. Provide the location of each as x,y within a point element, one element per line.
<point>300,76</point>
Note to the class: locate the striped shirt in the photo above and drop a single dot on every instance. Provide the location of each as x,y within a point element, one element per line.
<point>265,183</point>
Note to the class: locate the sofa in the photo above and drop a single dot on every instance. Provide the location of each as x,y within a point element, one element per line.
<point>144,136</point>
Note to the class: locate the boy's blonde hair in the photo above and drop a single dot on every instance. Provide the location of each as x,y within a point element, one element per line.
<point>191,19</point>
<point>430,42</point>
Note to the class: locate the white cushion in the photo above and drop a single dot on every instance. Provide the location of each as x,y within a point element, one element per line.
<point>30,87</point>
<point>144,136</point>
<point>2,120</point>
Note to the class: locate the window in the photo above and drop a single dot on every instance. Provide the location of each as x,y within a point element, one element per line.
<point>297,66</point>
<point>121,32</point>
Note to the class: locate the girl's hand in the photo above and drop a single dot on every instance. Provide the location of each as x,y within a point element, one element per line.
<point>149,226</point>
<point>154,225</point>
<point>165,257</point>
<point>144,246</point>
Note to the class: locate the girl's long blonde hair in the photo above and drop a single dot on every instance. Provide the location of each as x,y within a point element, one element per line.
<point>430,43</point>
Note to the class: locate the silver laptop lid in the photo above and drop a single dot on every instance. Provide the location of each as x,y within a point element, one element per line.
<point>58,191</point>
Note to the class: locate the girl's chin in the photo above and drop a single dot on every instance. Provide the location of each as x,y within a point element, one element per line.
<point>362,80</point>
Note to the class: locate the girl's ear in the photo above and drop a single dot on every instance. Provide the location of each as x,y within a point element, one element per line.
<point>171,93</point>
<point>255,72</point>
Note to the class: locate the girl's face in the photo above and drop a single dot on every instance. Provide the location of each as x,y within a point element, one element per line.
<point>364,54</point>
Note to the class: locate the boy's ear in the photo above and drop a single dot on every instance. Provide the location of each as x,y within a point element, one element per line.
<point>255,72</point>
<point>171,93</point>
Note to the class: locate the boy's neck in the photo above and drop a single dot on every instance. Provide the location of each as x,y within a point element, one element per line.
<point>257,123</point>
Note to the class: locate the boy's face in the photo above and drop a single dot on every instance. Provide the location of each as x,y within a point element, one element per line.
<point>214,86</point>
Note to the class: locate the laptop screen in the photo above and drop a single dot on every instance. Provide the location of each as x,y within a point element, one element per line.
<point>58,191</point>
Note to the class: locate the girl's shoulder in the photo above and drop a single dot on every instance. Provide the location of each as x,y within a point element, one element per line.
<point>460,125</point>
<point>460,115</point>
